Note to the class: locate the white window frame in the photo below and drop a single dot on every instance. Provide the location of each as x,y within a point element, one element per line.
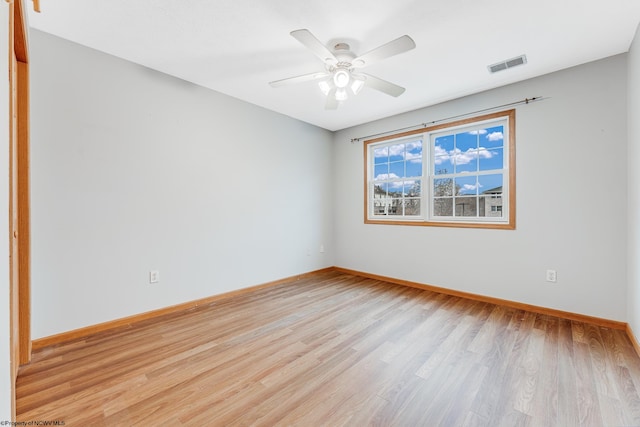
<point>427,135</point>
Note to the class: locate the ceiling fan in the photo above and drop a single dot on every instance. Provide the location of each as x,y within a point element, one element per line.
<point>341,75</point>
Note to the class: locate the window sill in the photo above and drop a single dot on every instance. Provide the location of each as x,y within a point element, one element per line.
<point>451,224</point>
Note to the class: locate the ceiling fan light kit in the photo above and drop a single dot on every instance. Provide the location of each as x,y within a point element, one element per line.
<point>341,94</point>
<point>339,77</point>
<point>357,84</point>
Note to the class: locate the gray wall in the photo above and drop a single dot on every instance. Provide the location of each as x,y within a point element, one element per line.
<point>633,159</point>
<point>134,171</point>
<point>571,201</point>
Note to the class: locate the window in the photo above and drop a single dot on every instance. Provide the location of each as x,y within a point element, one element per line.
<point>460,174</point>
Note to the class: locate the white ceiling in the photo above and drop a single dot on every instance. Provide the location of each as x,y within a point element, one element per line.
<point>237,46</point>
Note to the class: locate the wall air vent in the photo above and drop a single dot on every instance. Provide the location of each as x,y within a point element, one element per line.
<point>509,63</point>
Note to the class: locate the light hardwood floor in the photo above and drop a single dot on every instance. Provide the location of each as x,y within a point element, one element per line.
<point>339,350</point>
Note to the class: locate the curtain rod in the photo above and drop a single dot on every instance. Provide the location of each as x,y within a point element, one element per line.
<point>424,125</point>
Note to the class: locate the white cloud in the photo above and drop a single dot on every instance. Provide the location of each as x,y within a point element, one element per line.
<point>465,158</point>
<point>383,176</point>
<point>461,158</point>
<point>441,160</point>
<point>396,150</point>
<point>478,132</point>
<point>495,136</point>
<point>442,155</point>
<point>380,152</point>
<point>471,186</point>
<point>414,157</point>
<point>413,145</point>
<point>439,151</point>
<point>404,150</point>
<point>485,154</point>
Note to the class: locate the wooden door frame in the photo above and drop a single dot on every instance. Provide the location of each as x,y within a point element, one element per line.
<point>19,192</point>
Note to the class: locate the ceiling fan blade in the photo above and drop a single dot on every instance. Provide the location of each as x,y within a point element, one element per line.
<point>394,47</point>
<point>332,102</point>
<point>312,43</point>
<point>383,85</point>
<point>299,79</point>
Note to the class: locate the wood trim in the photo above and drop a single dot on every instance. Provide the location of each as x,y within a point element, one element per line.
<point>510,225</point>
<point>613,324</point>
<point>365,156</point>
<point>20,182</point>
<point>632,338</point>
<point>490,226</point>
<point>14,350</point>
<point>20,43</point>
<point>128,321</point>
<point>512,169</point>
<point>24,214</point>
<point>19,196</point>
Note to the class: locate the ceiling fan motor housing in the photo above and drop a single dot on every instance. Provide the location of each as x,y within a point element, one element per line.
<point>344,55</point>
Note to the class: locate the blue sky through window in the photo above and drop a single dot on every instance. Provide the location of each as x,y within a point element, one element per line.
<point>471,152</point>
<point>396,161</point>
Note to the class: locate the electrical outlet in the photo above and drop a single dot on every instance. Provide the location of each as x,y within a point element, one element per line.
<point>321,249</point>
<point>154,276</point>
<point>552,276</point>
